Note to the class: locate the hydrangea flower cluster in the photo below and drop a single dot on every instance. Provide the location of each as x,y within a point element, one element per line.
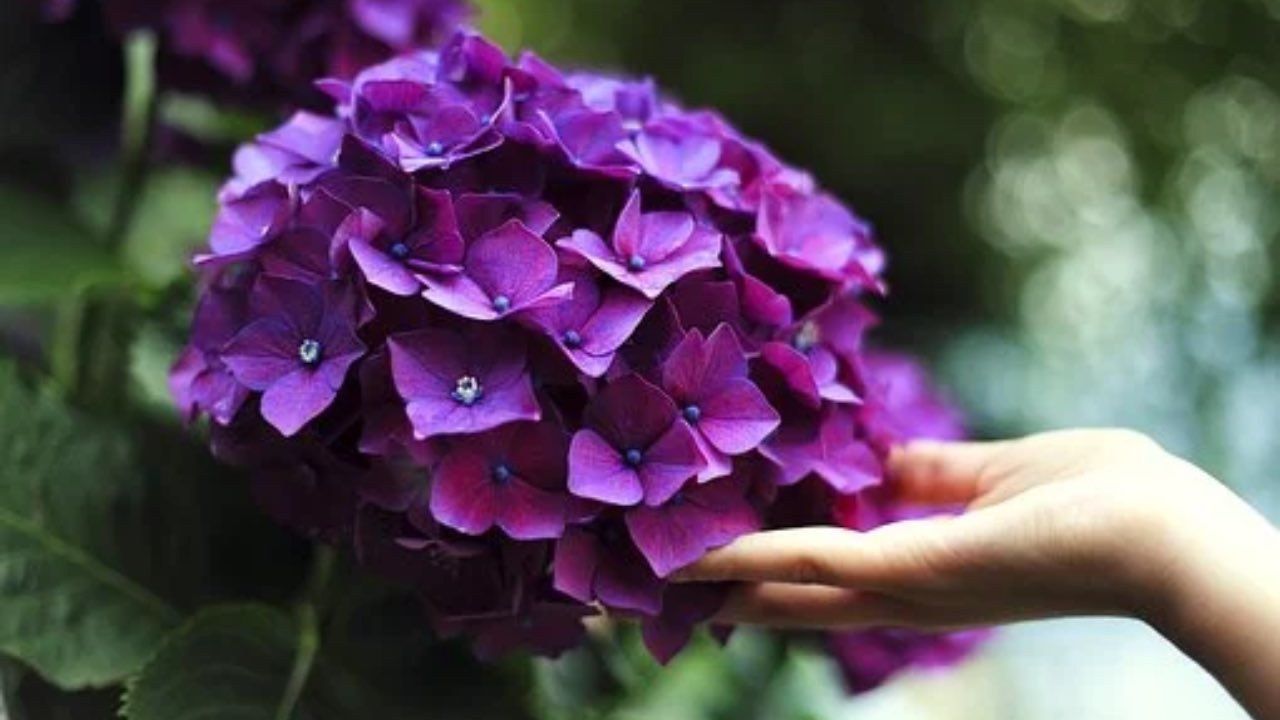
<point>261,51</point>
<point>532,341</point>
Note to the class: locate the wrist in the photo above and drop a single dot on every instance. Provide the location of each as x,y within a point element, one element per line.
<point>1214,546</point>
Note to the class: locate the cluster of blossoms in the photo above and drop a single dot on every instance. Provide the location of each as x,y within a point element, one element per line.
<point>531,342</point>
<point>265,51</point>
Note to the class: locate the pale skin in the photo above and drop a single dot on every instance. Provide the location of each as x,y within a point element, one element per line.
<point>1079,522</point>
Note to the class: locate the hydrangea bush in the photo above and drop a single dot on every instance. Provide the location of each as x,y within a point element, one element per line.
<point>531,341</point>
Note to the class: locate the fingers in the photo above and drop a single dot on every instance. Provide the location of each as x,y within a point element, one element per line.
<point>942,473</point>
<point>905,555</point>
<point>803,556</point>
<point>808,607</point>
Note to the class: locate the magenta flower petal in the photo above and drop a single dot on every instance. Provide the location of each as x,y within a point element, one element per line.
<point>461,384</point>
<point>506,271</point>
<point>474,492</point>
<point>701,518</point>
<point>668,463</point>
<point>708,380</point>
<point>597,471</point>
<point>592,323</point>
<point>684,606</point>
<point>737,418</point>
<point>632,448</point>
<point>299,354</point>
<point>648,252</point>
<point>250,219</point>
<point>602,564</point>
<point>295,399</point>
<point>263,353</point>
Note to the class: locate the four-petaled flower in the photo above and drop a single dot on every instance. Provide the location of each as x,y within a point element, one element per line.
<point>506,271</point>
<point>512,477</point>
<point>299,350</point>
<point>707,378</point>
<point>395,239</point>
<point>591,325</point>
<point>461,383</point>
<point>633,448</point>
<point>649,251</point>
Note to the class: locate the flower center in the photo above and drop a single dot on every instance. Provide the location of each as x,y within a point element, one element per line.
<point>501,473</point>
<point>806,337</point>
<point>399,251</point>
<point>692,413</point>
<point>572,339</point>
<point>309,352</point>
<point>502,303</point>
<point>435,149</point>
<point>632,457</point>
<point>467,391</point>
<point>635,263</point>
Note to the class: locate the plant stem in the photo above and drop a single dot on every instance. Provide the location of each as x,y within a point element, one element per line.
<point>323,562</point>
<point>308,647</point>
<point>92,338</point>
<point>140,107</point>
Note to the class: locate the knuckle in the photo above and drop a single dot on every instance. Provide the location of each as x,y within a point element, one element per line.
<point>810,568</point>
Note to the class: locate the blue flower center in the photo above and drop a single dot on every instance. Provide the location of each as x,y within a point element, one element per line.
<point>502,303</point>
<point>435,149</point>
<point>806,337</point>
<point>501,473</point>
<point>399,251</point>
<point>692,413</point>
<point>635,263</point>
<point>572,339</point>
<point>467,391</point>
<point>310,352</point>
<point>632,457</point>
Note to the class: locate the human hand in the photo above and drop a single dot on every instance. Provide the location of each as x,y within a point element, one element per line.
<point>1082,522</point>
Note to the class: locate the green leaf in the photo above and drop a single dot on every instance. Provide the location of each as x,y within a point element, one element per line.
<point>77,541</point>
<point>171,221</point>
<point>239,662</point>
<point>44,254</point>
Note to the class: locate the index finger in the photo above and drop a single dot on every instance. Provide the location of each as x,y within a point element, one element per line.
<point>908,553</point>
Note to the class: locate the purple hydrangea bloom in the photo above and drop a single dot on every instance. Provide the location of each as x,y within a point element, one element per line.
<point>707,378</point>
<point>593,323</point>
<point>260,52</point>
<point>512,477</point>
<point>508,270</point>
<point>298,351</point>
<point>648,251</point>
<point>532,341</point>
<point>632,447</point>
<point>461,383</point>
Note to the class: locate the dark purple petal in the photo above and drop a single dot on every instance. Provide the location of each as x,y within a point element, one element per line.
<point>295,399</point>
<point>737,418</point>
<point>598,471</point>
<point>669,462</point>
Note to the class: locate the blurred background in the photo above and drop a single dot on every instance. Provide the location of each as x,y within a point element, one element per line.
<point>1079,198</point>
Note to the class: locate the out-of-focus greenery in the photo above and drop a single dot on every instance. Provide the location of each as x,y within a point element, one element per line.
<point>1079,198</point>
